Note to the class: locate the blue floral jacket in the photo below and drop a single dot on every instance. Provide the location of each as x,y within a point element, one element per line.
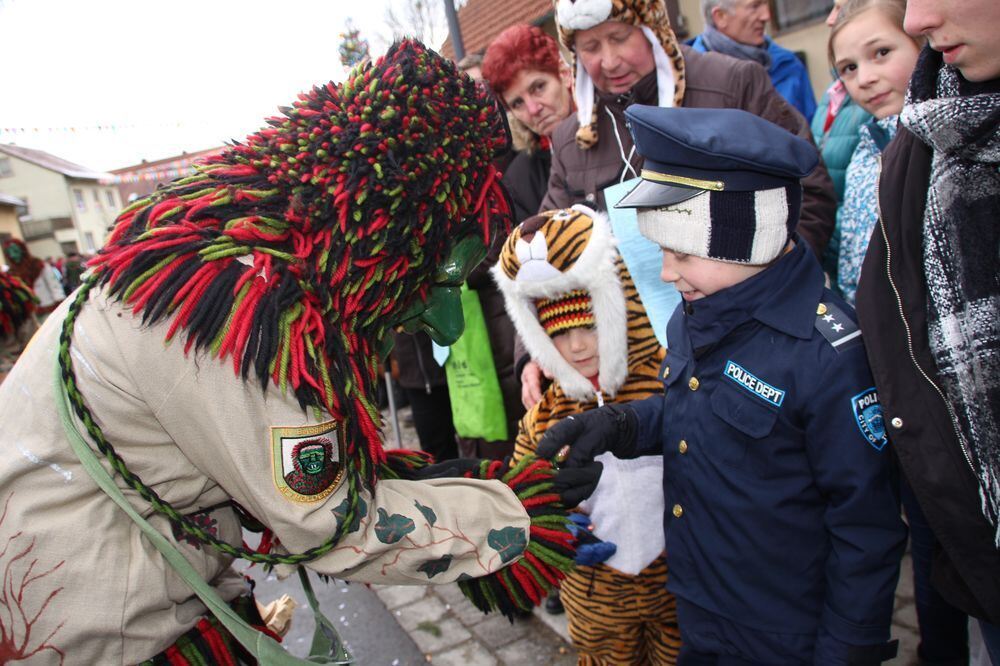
<point>859,211</point>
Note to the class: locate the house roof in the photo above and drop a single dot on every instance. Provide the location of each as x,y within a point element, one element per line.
<point>481,22</point>
<point>183,158</point>
<point>51,162</point>
<point>8,200</point>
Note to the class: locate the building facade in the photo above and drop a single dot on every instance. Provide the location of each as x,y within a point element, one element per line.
<point>65,207</point>
<point>141,179</point>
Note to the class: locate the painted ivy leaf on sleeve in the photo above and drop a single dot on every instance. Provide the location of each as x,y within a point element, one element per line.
<point>509,542</point>
<point>434,567</point>
<point>390,529</point>
<point>427,511</point>
<point>340,512</point>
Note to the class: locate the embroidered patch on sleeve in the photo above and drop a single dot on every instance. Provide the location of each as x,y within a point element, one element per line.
<point>868,416</point>
<point>307,462</point>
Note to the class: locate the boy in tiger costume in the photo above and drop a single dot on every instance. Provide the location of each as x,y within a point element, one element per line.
<point>575,306</point>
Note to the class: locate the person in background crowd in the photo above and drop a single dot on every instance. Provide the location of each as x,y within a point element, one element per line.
<point>35,273</point>
<point>783,530</point>
<point>929,293</point>
<point>524,68</point>
<point>73,269</point>
<point>835,123</point>
<point>835,128</point>
<point>738,28</point>
<point>424,383</point>
<point>874,57</point>
<point>629,55</point>
<point>581,315</point>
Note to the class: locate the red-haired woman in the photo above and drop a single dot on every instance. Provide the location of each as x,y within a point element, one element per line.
<point>524,68</point>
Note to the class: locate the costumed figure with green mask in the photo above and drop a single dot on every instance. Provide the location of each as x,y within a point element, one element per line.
<point>17,305</point>
<point>221,361</point>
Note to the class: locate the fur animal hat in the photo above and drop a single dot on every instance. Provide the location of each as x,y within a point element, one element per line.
<point>550,256</point>
<point>649,15</point>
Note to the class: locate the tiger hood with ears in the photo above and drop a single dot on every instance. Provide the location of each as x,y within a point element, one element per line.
<point>554,253</point>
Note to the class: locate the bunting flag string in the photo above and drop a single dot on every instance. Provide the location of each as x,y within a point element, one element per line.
<point>100,127</point>
<point>149,175</point>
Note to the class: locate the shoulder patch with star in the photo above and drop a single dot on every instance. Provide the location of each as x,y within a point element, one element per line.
<point>307,462</point>
<point>838,329</point>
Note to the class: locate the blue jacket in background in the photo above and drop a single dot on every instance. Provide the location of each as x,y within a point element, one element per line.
<point>788,75</point>
<point>782,522</point>
<point>837,145</point>
<point>838,142</point>
<point>858,213</point>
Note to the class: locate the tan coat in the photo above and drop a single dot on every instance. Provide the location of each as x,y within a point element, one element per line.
<point>94,590</point>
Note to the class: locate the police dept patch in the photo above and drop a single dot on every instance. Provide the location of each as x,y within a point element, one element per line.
<point>754,385</point>
<point>307,461</point>
<point>868,415</point>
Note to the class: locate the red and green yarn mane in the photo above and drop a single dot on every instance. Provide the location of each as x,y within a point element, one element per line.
<point>292,252</point>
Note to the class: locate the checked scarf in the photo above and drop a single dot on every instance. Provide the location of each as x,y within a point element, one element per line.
<point>960,121</point>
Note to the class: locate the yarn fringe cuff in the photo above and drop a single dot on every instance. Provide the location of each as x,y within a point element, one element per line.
<point>526,582</point>
<point>403,463</point>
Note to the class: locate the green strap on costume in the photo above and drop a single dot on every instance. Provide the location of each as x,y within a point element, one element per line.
<point>327,648</point>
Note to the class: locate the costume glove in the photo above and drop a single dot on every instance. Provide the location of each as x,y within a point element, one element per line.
<point>610,428</point>
<point>575,484</point>
<point>448,468</point>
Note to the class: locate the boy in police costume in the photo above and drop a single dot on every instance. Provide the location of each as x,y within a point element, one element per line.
<point>783,533</point>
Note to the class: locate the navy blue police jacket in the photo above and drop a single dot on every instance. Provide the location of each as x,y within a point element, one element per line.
<point>782,510</point>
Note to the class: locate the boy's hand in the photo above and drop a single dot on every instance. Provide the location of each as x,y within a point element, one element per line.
<point>611,428</point>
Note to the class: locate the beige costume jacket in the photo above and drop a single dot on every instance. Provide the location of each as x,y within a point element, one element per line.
<point>82,586</point>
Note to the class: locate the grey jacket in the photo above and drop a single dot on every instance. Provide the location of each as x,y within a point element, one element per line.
<point>713,80</point>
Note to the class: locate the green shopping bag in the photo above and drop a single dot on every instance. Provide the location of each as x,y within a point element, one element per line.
<point>476,400</point>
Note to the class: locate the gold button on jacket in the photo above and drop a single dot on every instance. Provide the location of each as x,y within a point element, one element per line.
<point>678,511</point>
<point>683,446</point>
<point>693,383</point>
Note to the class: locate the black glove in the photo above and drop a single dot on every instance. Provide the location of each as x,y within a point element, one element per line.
<point>575,484</point>
<point>456,467</point>
<point>610,428</point>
